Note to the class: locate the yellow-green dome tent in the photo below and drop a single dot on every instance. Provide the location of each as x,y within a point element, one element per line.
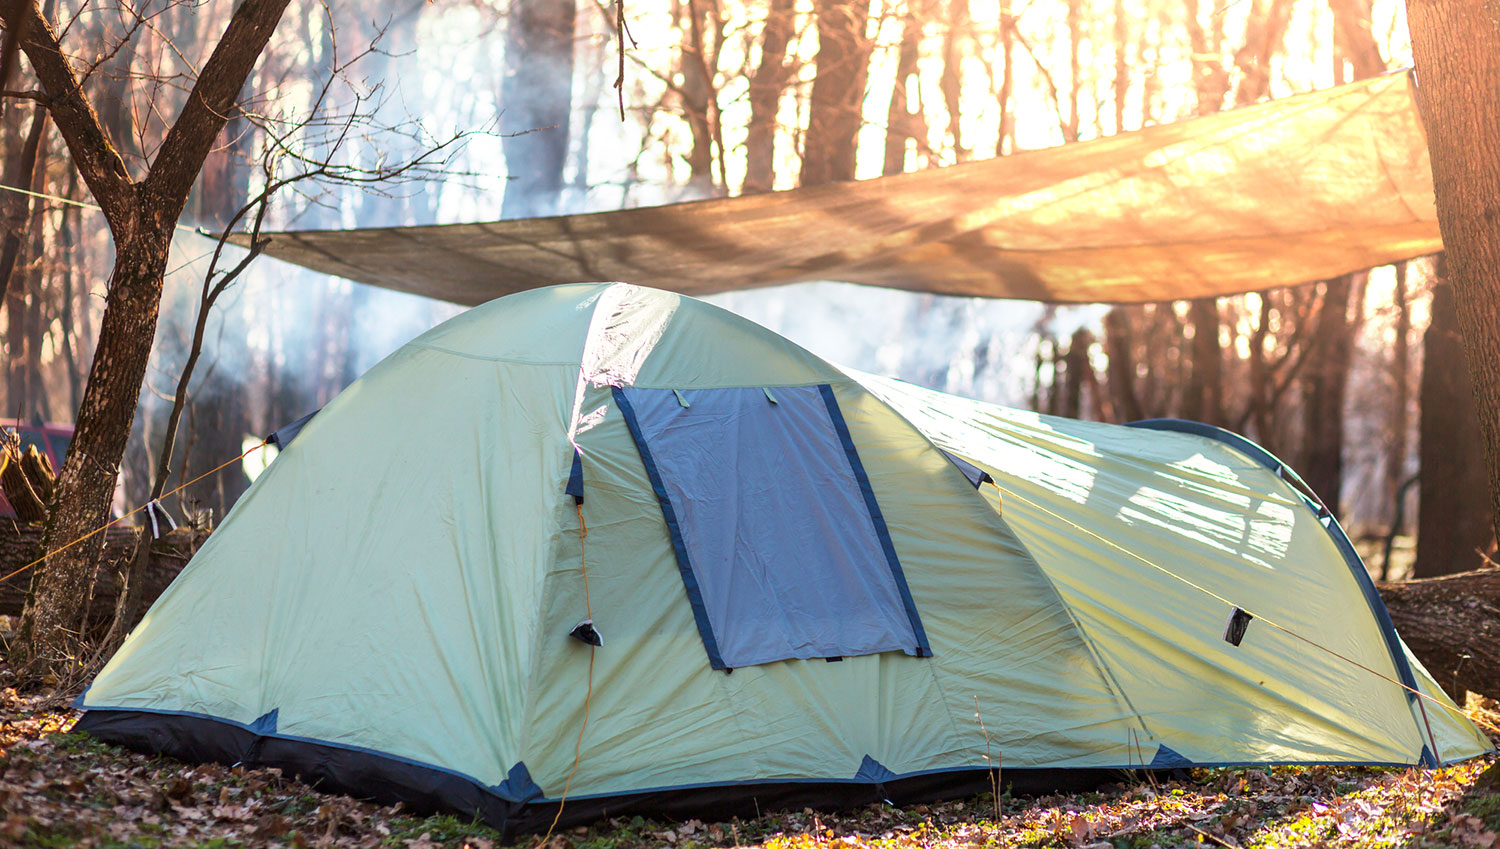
<point>806,582</point>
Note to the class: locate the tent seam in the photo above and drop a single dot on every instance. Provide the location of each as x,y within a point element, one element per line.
<point>1103,670</point>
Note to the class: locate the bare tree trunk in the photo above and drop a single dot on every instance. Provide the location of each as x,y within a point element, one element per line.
<point>1457,50</point>
<point>1007,81</point>
<point>765,97</point>
<point>951,80</point>
<point>536,101</point>
<point>1265,29</point>
<point>1203,398</point>
<point>71,261</point>
<point>699,100</point>
<point>901,122</point>
<point>590,100</point>
<point>1076,364</point>
<point>16,402</point>
<point>1057,392</point>
<point>1036,378</point>
<point>1119,347</point>
<point>1122,65</point>
<point>1259,407</point>
<point>221,194</point>
<point>20,171</point>
<point>221,421</point>
<point>53,623</point>
<point>1100,404</point>
<point>1353,37</point>
<point>834,115</point>
<point>1453,521</point>
<point>37,306</point>
<point>21,268</point>
<point>1075,84</point>
<point>1324,388</point>
<point>1210,78</point>
<point>1395,461</point>
<point>111,95</point>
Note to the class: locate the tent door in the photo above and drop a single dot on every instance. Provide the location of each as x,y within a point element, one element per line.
<point>779,539</point>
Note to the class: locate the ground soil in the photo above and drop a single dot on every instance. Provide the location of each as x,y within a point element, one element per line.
<point>59,788</point>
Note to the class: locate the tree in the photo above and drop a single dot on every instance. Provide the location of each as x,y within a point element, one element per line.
<point>902,122</point>
<point>1203,396</point>
<point>1396,453</point>
<point>765,97</point>
<point>1450,524</point>
<point>1456,46</point>
<point>20,170</point>
<point>834,117</point>
<point>1119,349</point>
<point>536,99</point>
<point>1325,388</point>
<point>1354,38</point>
<point>142,214</point>
<point>702,34</point>
<point>19,284</point>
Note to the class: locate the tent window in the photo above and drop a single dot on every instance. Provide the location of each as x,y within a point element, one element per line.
<point>779,539</point>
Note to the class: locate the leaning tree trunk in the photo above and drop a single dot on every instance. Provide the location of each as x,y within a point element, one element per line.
<point>1456,45</point>
<point>52,624</point>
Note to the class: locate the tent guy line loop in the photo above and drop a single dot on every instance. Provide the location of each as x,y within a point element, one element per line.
<point>105,527</point>
<point>1210,593</point>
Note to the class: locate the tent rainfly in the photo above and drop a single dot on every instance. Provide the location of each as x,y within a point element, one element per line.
<point>728,575</point>
<point>1284,192</point>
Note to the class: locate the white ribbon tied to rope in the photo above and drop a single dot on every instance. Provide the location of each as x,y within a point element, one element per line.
<point>152,509</point>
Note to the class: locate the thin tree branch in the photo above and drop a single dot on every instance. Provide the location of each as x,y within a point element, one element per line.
<point>1052,93</point>
<point>211,101</point>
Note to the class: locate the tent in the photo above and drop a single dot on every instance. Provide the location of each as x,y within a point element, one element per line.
<point>616,543</point>
<point>1284,192</point>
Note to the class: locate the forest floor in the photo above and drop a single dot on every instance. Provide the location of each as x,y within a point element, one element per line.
<point>64,789</point>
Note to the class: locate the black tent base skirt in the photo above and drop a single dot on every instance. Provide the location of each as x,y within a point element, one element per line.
<point>420,789</point>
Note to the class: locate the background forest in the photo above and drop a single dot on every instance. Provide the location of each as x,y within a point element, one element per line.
<point>525,108</point>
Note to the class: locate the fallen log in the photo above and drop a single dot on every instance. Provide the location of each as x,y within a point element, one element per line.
<point>19,545</point>
<point>1452,624</point>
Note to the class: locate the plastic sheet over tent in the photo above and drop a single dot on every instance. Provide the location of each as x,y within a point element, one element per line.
<point>1275,194</point>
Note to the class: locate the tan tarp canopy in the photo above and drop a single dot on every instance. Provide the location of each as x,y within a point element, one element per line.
<point>1284,192</point>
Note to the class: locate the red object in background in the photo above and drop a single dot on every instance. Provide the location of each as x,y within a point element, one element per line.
<point>50,439</point>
